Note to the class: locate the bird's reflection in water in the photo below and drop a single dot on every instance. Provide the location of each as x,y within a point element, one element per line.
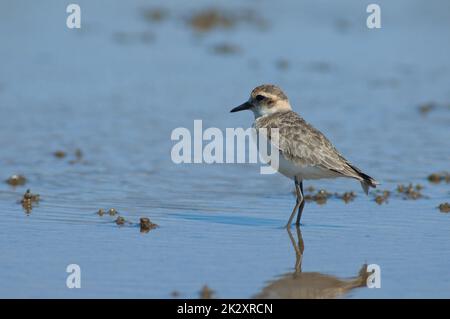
<point>300,285</point>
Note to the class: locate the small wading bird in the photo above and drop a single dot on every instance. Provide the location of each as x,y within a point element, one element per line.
<point>305,153</point>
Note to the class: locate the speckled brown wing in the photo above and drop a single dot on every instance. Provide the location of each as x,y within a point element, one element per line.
<point>302,144</point>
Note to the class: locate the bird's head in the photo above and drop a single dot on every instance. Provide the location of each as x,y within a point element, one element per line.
<point>264,100</point>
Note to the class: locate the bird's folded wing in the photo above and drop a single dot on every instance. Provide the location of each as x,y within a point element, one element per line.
<point>302,144</point>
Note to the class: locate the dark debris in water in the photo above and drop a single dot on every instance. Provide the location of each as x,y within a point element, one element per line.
<point>34,198</point>
<point>59,154</point>
<point>320,197</point>
<point>382,197</point>
<point>16,180</point>
<point>28,200</point>
<point>427,107</point>
<point>444,208</point>
<point>436,178</point>
<point>110,212</point>
<point>211,19</point>
<point>410,191</point>
<point>206,293</point>
<point>404,191</point>
<point>78,155</point>
<point>146,225</point>
<point>215,18</point>
<point>120,221</point>
<point>347,196</point>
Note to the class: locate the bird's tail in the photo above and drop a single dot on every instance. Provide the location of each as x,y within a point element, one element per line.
<point>366,183</point>
<point>366,180</point>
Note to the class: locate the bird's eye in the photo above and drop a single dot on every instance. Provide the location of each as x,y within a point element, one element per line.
<point>259,97</point>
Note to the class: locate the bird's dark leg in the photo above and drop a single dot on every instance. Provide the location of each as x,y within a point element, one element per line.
<point>302,204</point>
<point>298,203</point>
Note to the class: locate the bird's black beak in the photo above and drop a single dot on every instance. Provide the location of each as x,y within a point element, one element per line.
<point>242,107</point>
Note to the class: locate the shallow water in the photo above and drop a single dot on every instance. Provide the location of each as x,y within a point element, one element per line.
<point>118,98</point>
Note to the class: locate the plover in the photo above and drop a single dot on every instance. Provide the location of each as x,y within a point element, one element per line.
<point>305,153</point>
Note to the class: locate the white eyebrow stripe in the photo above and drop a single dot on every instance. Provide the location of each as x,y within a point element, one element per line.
<point>271,96</point>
